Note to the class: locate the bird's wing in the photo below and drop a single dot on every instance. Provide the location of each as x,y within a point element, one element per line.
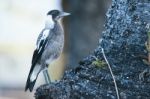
<point>41,43</point>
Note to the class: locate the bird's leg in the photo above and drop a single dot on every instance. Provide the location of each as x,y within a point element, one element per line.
<point>46,76</point>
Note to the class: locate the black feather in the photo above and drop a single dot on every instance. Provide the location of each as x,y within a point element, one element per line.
<point>30,84</point>
<point>36,56</point>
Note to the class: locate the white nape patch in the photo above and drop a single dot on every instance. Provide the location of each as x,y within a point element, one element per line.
<point>49,23</point>
<point>35,72</point>
<point>44,36</point>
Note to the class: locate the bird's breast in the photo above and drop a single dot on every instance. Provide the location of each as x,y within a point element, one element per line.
<point>53,49</point>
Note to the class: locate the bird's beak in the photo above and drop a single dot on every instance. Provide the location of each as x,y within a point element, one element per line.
<point>64,14</point>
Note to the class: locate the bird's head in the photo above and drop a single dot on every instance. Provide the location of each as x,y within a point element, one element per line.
<point>56,14</point>
<point>53,16</point>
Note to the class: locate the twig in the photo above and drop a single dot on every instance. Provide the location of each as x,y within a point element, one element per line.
<point>148,41</point>
<point>111,73</point>
<point>148,46</point>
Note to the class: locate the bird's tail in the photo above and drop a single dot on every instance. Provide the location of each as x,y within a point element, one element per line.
<point>33,74</point>
<point>30,84</point>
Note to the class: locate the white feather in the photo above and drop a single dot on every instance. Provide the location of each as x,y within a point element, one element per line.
<point>35,72</point>
<point>44,36</point>
<point>49,23</point>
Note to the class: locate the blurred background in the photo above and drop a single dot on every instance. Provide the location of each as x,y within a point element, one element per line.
<point>20,23</point>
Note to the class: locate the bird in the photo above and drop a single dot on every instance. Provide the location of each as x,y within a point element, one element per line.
<point>49,46</point>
